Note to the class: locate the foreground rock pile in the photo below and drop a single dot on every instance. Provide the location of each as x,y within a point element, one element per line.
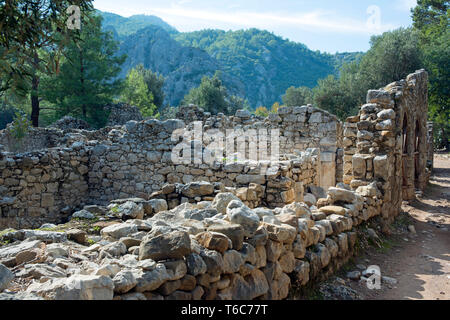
<point>211,249</point>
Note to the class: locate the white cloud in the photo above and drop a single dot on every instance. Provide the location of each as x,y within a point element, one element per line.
<point>406,5</point>
<point>317,20</point>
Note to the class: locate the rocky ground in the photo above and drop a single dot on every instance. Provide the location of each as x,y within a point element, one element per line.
<point>415,256</point>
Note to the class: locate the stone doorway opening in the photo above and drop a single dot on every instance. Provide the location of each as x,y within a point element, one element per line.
<point>405,152</point>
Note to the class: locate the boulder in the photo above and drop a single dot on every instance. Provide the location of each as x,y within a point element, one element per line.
<point>197,189</point>
<point>239,213</point>
<point>119,230</point>
<point>6,276</point>
<point>124,281</point>
<point>131,210</point>
<point>232,261</point>
<point>233,231</point>
<point>76,287</point>
<point>174,245</point>
<point>213,241</point>
<point>83,214</point>
<point>77,235</point>
<point>309,199</point>
<point>222,200</point>
<point>158,205</point>
<point>328,210</point>
<point>283,233</point>
<point>341,195</point>
<point>195,264</point>
<point>152,280</point>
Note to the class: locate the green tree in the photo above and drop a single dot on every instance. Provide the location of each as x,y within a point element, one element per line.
<point>262,111</point>
<point>392,56</point>
<point>431,18</point>
<point>28,27</point>
<point>297,96</point>
<point>136,93</point>
<point>330,95</point>
<point>155,84</point>
<point>213,97</point>
<point>86,78</point>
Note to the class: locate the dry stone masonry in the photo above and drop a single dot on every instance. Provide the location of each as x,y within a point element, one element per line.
<point>195,231</point>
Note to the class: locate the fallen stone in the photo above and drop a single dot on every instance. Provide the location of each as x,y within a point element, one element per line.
<point>195,264</point>
<point>328,210</point>
<point>389,280</point>
<point>158,205</point>
<point>341,195</point>
<point>120,230</point>
<point>83,214</point>
<point>6,276</point>
<point>239,213</point>
<point>56,250</point>
<point>197,189</point>
<point>309,199</point>
<point>76,287</point>
<point>152,280</point>
<point>40,270</point>
<point>77,235</point>
<point>174,245</point>
<point>131,210</point>
<point>213,241</point>
<point>233,231</point>
<point>124,281</point>
<point>283,233</point>
<point>222,200</point>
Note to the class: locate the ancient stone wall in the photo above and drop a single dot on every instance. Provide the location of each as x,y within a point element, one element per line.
<point>300,128</point>
<point>135,160</point>
<point>387,142</point>
<point>40,187</point>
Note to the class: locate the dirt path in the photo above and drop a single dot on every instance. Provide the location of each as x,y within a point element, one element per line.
<point>420,262</point>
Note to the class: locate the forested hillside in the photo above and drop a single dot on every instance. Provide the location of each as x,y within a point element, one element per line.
<point>255,64</point>
<point>266,63</point>
<point>126,26</point>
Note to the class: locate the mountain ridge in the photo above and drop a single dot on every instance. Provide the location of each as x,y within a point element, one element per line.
<point>255,64</point>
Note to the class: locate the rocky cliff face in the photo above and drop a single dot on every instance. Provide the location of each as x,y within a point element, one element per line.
<point>183,67</point>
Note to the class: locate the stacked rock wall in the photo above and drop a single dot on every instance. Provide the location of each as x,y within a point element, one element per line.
<point>135,159</point>
<point>40,187</point>
<point>387,142</point>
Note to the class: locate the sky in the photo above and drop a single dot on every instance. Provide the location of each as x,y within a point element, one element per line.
<point>325,25</point>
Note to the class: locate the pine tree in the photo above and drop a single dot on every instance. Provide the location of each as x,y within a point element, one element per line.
<point>87,77</point>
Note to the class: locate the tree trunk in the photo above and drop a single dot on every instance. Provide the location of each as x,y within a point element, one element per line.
<point>35,109</point>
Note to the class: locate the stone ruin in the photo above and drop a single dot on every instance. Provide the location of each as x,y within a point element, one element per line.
<point>206,231</point>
